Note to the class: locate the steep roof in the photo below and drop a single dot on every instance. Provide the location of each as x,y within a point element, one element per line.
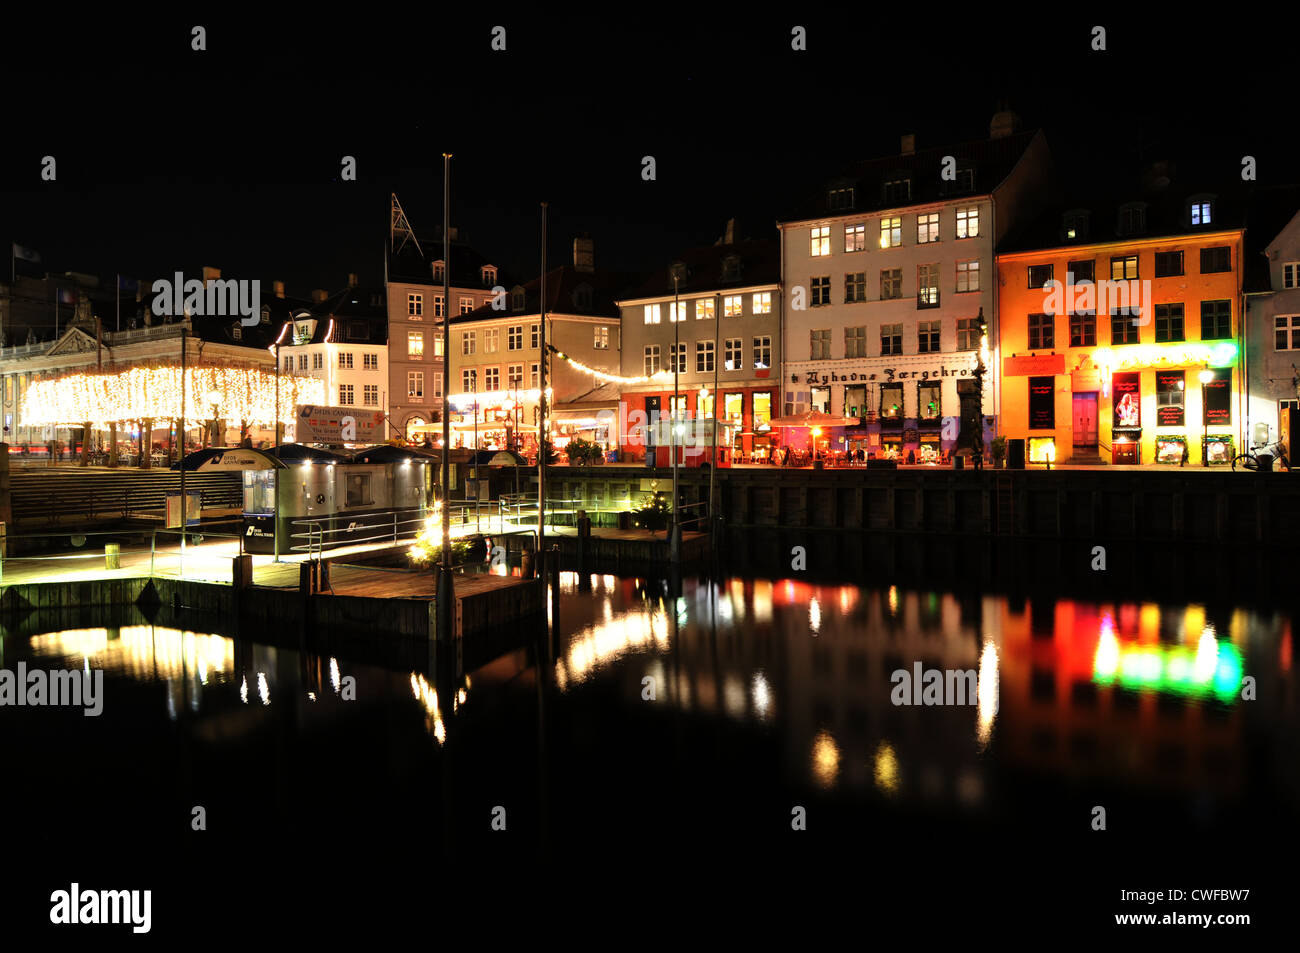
<point>991,161</point>
<point>568,291</point>
<point>1268,212</point>
<point>408,265</point>
<point>716,267</point>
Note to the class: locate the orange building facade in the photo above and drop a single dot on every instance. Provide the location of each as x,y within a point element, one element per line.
<point>1124,352</point>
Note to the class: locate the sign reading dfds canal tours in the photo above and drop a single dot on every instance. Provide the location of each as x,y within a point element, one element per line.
<point>334,425</point>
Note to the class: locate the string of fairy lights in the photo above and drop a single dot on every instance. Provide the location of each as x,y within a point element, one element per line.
<point>605,377</point>
<point>141,392</point>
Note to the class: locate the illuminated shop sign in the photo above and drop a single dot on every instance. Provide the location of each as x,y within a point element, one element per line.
<point>1127,390</point>
<point>885,375</point>
<point>1222,354</point>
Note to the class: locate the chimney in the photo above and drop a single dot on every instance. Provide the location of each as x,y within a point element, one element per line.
<point>1004,123</point>
<point>279,288</point>
<point>1157,175</point>
<point>210,274</point>
<point>909,144</point>
<point>729,236</point>
<point>584,254</point>
<point>352,279</point>
<point>318,295</point>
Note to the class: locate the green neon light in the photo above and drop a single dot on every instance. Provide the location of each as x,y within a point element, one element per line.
<point>1175,670</point>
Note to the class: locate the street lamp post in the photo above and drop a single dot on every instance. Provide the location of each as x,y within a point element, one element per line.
<point>1206,376</point>
<point>678,272</point>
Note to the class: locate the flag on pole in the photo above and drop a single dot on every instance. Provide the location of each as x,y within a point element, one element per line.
<point>26,254</point>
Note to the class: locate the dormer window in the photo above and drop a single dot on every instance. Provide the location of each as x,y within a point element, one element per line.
<point>266,315</point>
<point>1075,225</point>
<point>582,297</point>
<point>517,299</point>
<point>438,271</point>
<point>489,273</point>
<point>237,331</point>
<point>966,180</point>
<point>1133,219</point>
<point>1200,211</point>
<point>840,198</point>
<point>731,268</point>
<point>897,189</point>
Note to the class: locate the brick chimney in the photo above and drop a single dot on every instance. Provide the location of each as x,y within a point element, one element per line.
<point>279,288</point>
<point>352,279</point>
<point>908,144</point>
<point>1004,123</point>
<point>210,274</point>
<point>584,254</point>
<point>318,295</point>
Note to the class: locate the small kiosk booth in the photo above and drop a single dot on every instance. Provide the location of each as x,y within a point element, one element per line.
<point>298,497</point>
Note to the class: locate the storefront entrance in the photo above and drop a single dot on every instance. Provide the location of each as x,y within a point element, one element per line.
<point>1085,424</point>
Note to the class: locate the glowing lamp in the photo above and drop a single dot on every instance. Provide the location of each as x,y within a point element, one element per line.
<point>1206,376</point>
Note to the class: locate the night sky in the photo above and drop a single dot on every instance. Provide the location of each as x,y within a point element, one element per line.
<point>170,159</point>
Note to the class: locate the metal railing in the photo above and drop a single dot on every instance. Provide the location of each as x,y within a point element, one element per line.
<point>313,535</point>
<point>704,518</point>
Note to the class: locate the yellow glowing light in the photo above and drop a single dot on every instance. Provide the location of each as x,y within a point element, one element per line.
<point>607,378</point>
<point>825,759</point>
<point>154,393</point>
<point>886,768</point>
<point>986,691</point>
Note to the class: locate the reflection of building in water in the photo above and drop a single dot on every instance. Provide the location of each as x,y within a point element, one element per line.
<point>144,652</point>
<point>1127,691</point>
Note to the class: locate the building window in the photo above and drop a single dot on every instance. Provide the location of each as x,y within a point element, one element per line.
<point>345,360</point>
<point>469,380</point>
<point>1076,224</point>
<point>437,384</point>
<point>370,362</point>
<point>534,376</point>
<point>821,290</point>
<point>897,190</point>
<point>1286,332</point>
<point>600,339</point>
<point>968,221</point>
<point>855,238</point>
<point>762,302</point>
<point>1200,213</point>
<point>855,287</point>
<point>891,283</point>
<point>733,306</point>
<point>1169,264</point>
<point>927,228</point>
<point>1040,275</point>
<point>891,232</point>
<point>515,374</point>
<point>1170,388</point>
<point>1124,268</point>
<point>438,309</point>
<point>731,268</point>
<point>302,361</point>
<point>437,271</point>
<point>345,395</point>
<point>468,342</point>
<point>491,340</point>
<point>1132,220</point>
<point>820,344</point>
<point>855,342</point>
<point>415,306</point>
<point>1083,329</point>
<point>1216,259</point>
<point>927,337</point>
<point>820,243</point>
<point>489,274</point>
<point>680,363</point>
<point>1291,274</point>
<point>762,352</point>
<point>318,362</point>
<point>1042,331</point>
<point>704,357</point>
<point>370,395</point>
<point>492,378</point>
<point>733,355</point>
<point>840,198</point>
<point>929,406</point>
<point>466,304</point>
<point>703,308</point>
<point>415,385</point>
<point>927,286</point>
<point>535,336</point>
<point>891,403</point>
<point>1082,271</point>
<point>678,311</point>
<point>1216,320</point>
<point>891,339</point>
<point>288,363</point>
<point>1169,323</point>
<point>1124,326</point>
<point>968,334</point>
<point>515,338</point>
<point>517,300</point>
<point>415,344</point>
<point>968,275</point>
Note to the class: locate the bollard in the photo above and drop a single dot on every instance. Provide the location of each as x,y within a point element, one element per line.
<point>112,555</point>
<point>305,578</point>
<point>584,540</point>
<point>526,564</point>
<point>553,571</point>
<point>241,571</point>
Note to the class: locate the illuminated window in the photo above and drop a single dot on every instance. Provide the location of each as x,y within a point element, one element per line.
<point>651,359</point>
<point>733,354</point>
<point>927,286</point>
<point>733,306</point>
<point>927,228</point>
<point>1200,213</point>
<point>891,232</point>
<point>733,409</point>
<point>762,302</point>
<point>1042,449</point>
<point>703,308</point>
<point>1124,268</point>
<point>762,352</point>
<point>763,412</point>
<point>820,243</point>
<point>677,312</point>
<point>600,339</point>
<point>821,290</point>
<point>415,344</point>
<point>968,221</point>
<point>491,340</point>
<point>968,275</point>
<point>652,314</point>
<point>855,238</point>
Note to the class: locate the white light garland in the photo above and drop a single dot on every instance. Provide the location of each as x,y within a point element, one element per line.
<point>613,378</point>
<point>154,393</point>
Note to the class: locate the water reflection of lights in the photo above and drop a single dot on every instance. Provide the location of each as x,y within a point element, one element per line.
<point>814,615</point>
<point>893,600</point>
<point>334,674</point>
<point>987,692</point>
<point>263,689</point>
<point>243,690</point>
<point>733,695</point>
<point>825,759</point>
<point>1213,668</point>
<point>886,768</point>
<point>599,644</point>
<point>762,694</point>
<point>144,652</point>
<point>427,696</point>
